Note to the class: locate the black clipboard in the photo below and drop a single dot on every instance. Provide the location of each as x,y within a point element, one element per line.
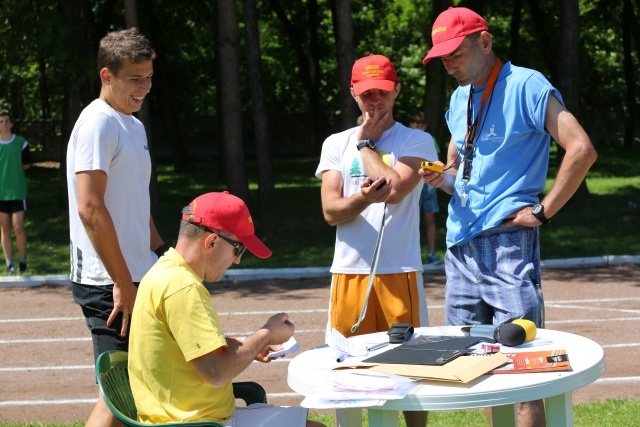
<point>426,350</point>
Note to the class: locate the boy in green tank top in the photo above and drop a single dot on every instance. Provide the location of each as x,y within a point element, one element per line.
<point>14,160</point>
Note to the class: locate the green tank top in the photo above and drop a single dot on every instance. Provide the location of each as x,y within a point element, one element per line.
<point>13,182</point>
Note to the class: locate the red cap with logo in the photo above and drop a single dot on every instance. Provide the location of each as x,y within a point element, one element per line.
<point>373,72</point>
<point>450,29</point>
<point>226,212</point>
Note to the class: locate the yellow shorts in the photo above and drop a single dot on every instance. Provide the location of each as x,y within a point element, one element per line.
<point>394,298</point>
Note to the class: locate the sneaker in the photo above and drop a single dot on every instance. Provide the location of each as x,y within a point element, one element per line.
<point>433,259</point>
<point>22,267</point>
<point>10,270</point>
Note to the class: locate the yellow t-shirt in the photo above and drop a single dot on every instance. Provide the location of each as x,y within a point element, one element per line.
<point>174,322</point>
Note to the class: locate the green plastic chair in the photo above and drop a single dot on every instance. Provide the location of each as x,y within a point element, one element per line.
<point>113,379</point>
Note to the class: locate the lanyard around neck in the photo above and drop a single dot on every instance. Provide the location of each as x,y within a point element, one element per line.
<point>472,125</point>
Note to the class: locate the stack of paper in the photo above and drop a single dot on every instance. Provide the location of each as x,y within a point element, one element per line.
<point>357,388</point>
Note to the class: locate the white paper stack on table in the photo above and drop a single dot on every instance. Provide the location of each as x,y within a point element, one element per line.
<point>357,388</point>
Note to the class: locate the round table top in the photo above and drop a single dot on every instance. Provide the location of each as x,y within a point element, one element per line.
<point>309,369</point>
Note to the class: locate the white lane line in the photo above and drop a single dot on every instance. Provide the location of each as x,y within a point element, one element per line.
<point>47,368</point>
<point>41,319</point>
<point>73,339</point>
<point>46,402</point>
<point>580,307</point>
<point>269,395</point>
<point>43,340</point>
<point>279,360</point>
<point>590,321</point>
<point>548,303</point>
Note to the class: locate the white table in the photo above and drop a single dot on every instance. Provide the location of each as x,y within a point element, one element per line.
<point>501,391</point>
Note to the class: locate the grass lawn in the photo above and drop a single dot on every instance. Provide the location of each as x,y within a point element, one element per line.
<point>293,227</point>
<point>612,413</point>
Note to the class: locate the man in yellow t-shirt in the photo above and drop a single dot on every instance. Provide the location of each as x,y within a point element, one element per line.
<point>180,363</point>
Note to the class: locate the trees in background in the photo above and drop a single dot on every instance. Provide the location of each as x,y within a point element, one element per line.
<point>238,79</point>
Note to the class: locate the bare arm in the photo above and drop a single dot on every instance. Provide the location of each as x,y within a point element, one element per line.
<point>580,155</point>
<point>403,177</point>
<point>444,180</point>
<point>98,223</point>
<point>225,363</point>
<point>156,240</point>
<point>338,209</point>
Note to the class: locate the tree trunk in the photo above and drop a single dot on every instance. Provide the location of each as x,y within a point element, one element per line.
<point>77,92</point>
<point>231,99</point>
<point>308,65</point>
<point>516,20</point>
<point>166,97</point>
<point>568,70</point>
<point>435,102</point>
<point>144,115</point>
<point>543,32</point>
<point>260,120</point>
<point>345,49</point>
<point>628,19</point>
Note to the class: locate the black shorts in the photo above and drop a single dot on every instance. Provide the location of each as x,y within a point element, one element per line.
<point>13,206</point>
<point>97,305</point>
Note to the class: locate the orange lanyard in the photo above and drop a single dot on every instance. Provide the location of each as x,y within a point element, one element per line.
<point>472,126</point>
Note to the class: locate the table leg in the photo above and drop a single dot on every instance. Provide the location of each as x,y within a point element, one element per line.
<point>559,410</point>
<point>504,416</point>
<point>379,418</point>
<point>349,417</point>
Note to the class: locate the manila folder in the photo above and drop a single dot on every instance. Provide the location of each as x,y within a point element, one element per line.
<point>460,370</point>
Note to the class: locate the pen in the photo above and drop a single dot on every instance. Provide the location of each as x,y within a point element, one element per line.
<point>377,346</point>
<point>340,358</point>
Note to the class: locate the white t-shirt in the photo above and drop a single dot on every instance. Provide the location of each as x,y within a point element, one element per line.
<point>116,143</point>
<point>356,239</point>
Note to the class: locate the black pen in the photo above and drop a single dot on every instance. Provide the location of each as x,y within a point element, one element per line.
<point>377,346</point>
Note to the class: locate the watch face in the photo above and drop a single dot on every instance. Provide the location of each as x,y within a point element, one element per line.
<point>536,209</point>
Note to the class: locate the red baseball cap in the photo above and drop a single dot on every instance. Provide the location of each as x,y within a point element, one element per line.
<point>226,212</point>
<point>450,29</point>
<point>373,72</point>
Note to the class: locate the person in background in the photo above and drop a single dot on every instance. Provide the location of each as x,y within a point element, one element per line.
<point>428,198</point>
<point>180,363</point>
<point>15,158</point>
<point>391,152</point>
<point>501,118</point>
<point>113,236</point>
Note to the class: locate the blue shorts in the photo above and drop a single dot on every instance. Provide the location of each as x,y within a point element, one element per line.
<point>494,278</point>
<point>429,199</point>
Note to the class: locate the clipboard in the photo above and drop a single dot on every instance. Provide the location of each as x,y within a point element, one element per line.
<point>426,350</point>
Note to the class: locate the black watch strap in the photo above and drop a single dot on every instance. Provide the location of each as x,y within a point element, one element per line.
<point>369,143</point>
<point>538,211</point>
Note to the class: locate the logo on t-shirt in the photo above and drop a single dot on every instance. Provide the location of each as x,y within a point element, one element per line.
<point>492,135</point>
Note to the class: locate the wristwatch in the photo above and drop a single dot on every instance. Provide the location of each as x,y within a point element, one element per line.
<point>538,211</point>
<point>369,143</point>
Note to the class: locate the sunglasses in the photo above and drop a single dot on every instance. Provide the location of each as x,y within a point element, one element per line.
<point>239,248</point>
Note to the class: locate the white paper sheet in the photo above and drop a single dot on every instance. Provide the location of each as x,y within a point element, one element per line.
<point>290,346</point>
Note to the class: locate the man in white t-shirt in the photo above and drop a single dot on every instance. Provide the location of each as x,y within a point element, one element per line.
<point>112,233</point>
<point>389,151</point>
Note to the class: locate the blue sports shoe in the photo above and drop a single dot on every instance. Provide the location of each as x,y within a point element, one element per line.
<point>433,259</point>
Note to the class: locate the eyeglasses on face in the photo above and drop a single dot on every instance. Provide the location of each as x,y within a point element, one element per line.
<point>239,248</point>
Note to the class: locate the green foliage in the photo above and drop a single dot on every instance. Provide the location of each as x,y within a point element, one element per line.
<point>42,54</point>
